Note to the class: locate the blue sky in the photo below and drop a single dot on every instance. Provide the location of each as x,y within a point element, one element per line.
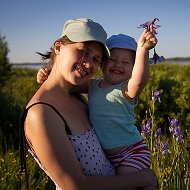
<point>34,25</point>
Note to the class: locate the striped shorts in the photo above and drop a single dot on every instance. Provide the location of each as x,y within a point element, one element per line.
<point>136,156</point>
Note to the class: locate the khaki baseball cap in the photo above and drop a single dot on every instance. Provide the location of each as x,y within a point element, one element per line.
<point>84,29</point>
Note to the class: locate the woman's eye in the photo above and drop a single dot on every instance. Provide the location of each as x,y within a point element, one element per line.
<point>97,61</point>
<point>81,51</point>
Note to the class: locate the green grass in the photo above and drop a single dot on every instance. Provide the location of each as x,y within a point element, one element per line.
<point>12,178</point>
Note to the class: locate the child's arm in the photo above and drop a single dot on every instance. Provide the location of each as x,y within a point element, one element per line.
<point>141,69</point>
<point>43,73</point>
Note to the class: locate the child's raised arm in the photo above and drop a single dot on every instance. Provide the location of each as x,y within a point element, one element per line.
<point>141,70</point>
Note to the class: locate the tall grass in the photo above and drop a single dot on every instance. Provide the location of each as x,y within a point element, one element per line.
<point>170,157</point>
<point>11,177</point>
<point>169,146</point>
<point>170,151</point>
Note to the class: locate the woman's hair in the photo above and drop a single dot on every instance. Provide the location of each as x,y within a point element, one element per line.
<point>51,54</point>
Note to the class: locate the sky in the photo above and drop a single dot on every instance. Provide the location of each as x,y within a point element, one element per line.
<point>33,26</point>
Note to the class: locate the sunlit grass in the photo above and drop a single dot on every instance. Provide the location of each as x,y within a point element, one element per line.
<point>11,177</point>
<point>170,152</point>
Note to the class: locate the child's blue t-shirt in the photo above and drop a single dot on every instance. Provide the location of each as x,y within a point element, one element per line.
<point>112,116</point>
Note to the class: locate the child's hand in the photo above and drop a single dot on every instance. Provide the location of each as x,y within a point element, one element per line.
<point>148,40</point>
<point>42,75</point>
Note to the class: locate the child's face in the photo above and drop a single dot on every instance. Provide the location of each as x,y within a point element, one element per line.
<point>118,67</point>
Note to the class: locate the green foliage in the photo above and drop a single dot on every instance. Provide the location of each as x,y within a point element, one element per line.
<point>171,80</point>
<point>5,67</point>
<point>179,59</point>
<point>14,95</point>
<point>170,153</point>
<point>173,83</point>
<point>11,177</point>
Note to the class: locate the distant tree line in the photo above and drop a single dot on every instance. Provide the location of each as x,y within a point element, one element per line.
<point>178,59</point>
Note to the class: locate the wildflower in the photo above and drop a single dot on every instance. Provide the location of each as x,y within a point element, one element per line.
<point>164,148</point>
<point>156,58</point>
<point>173,125</point>
<point>156,96</point>
<point>149,23</point>
<point>175,130</point>
<point>146,128</point>
<point>156,146</point>
<point>174,122</point>
<point>158,133</point>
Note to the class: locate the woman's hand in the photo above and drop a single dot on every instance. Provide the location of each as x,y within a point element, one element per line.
<point>150,179</point>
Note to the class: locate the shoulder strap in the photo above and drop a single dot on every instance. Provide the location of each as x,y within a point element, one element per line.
<point>23,140</point>
<point>82,99</point>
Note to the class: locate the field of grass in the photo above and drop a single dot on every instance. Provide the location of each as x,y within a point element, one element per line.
<point>169,142</point>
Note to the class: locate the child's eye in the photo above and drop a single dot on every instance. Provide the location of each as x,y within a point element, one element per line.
<point>126,63</point>
<point>111,59</point>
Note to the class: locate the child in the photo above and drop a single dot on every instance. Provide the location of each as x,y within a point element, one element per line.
<point>112,100</point>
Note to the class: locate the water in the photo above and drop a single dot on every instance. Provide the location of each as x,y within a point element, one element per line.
<point>179,62</point>
<point>28,65</point>
<point>37,66</point>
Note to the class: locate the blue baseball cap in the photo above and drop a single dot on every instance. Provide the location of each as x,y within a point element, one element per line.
<point>122,41</point>
<point>84,29</point>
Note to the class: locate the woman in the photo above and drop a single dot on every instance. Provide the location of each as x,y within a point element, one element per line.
<point>56,123</point>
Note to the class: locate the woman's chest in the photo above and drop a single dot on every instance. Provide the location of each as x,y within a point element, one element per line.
<point>76,115</point>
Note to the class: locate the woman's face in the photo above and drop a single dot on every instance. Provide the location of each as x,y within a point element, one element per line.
<point>79,61</point>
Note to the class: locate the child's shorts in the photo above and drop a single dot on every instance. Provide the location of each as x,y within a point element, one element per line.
<point>136,156</point>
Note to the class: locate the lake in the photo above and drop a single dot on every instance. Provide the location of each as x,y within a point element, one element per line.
<point>28,65</point>
<point>39,65</point>
<point>179,62</point>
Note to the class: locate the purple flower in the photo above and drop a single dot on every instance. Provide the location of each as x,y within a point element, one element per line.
<point>156,96</point>
<point>158,133</point>
<point>174,122</point>
<point>146,128</point>
<point>156,146</point>
<point>164,148</point>
<point>156,58</point>
<point>148,24</point>
<point>176,131</point>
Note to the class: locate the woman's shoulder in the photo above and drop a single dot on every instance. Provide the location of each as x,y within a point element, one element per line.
<point>41,114</point>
